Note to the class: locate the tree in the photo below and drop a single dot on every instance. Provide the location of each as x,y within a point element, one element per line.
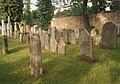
<point>12,8</point>
<point>45,13</point>
<point>27,13</point>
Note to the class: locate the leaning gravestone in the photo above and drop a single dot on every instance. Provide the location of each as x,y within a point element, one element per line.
<point>36,56</point>
<point>86,46</point>
<point>109,36</point>
<point>61,47</point>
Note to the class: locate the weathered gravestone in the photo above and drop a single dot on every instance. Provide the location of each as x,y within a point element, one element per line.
<point>93,32</point>
<point>61,47</point>
<point>47,42</point>
<point>86,46</point>
<point>43,39</point>
<point>4,39</point>
<point>76,33</point>
<point>53,45</point>
<point>71,36</point>
<point>35,56</point>
<point>109,36</point>
<point>65,35</point>
<point>58,34</point>
<point>8,27</point>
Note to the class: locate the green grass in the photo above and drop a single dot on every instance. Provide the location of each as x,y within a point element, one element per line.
<point>14,67</point>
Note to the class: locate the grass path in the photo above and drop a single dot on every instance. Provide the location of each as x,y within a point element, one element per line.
<point>14,67</point>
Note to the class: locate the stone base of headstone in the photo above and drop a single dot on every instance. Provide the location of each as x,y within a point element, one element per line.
<point>4,44</point>
<point>35,56</point>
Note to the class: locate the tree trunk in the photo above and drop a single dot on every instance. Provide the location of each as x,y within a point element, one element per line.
<point>85,16</point>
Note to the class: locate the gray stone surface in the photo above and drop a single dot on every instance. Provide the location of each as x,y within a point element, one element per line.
<point>53,45</point>
<point>76,32</point>
<point>72,39</point>
<point>86,46</point>
<point>109,36</point>
<point>35,56</point>
<point>61,47</point>
<point>65,35</point>
<point>47,42</point>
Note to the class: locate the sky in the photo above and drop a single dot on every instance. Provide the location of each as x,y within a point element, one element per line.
<point>33,7</point>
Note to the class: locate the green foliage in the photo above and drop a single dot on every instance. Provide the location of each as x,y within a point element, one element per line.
<point>27,14</point>
<point>45,13</point>
<point>12,8</point>
<point>115,5</point>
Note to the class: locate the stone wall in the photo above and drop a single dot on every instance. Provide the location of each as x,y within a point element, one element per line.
<point>97,20</point>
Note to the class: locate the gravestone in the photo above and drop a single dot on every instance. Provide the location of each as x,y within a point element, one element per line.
<point>76,33</point>
<point>35,56</point>
<point>93,32</point>
<point>57,35</point>
<point>11,31</point>
<point>53,30</point>
<point>47,42</point>
<point>109,36</point>
<point>86,46</point>
<point>4,39</point>
<point>65,35</point>
<point>53,45</point>
<point>8,27</point>
<point>42,39</point>
<point>61,47</point>
<point>72,39</point>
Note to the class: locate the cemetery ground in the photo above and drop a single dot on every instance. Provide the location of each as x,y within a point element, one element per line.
<point>58,69</point>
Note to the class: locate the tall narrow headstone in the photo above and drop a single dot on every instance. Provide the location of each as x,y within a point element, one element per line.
<point>76,33</point>
<point>53,45</point>
<point>47,42</point>
<point>72,38</point>
<point>8,27</point>
<point>109,36</point>
<point>61,47</point>
<point>86,46</point>
<point>4,39</point>
<point>35,56</point>
<point>65,35</point>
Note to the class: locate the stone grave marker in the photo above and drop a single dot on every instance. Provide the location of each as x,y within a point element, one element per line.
<point>76,33</point>
<point>71,36</point>
<point>61,47</point>
<point>53,45</point>
<point>109,36</point>
<point>35,56</point>
<point>86,46</point>
<point>47,42</point>
<point>65,35</point>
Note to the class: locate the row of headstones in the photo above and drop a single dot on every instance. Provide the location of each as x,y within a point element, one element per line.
<point>55,40</point>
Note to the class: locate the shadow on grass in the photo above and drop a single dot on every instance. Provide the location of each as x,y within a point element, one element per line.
<point>16,49</point>
<point>60,71</point>
<point>17,72</point>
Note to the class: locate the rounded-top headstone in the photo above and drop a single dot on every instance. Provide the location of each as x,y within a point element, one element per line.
<point>109,36</point>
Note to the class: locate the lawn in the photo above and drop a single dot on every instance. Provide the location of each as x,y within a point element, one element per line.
<point>14,67</point>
